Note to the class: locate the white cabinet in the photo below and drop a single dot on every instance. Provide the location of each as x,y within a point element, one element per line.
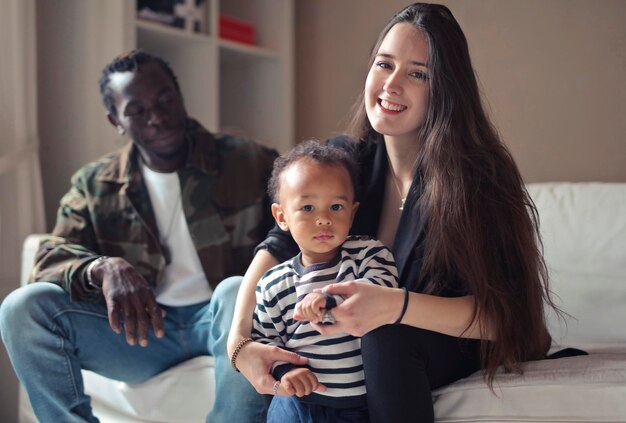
<point>227,86</point>
<point>231,86</point>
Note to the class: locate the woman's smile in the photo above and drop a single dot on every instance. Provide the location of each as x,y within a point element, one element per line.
<point>388,106</point>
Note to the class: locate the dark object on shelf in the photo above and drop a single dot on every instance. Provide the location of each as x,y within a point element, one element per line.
<point>190,15</point>
<point>237,30</point>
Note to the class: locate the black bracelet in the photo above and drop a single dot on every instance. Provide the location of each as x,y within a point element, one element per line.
<point>404,306</point>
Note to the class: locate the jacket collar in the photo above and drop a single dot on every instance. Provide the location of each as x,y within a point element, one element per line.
<point>202,154</point>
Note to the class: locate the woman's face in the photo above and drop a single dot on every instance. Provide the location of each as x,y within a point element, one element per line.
<point>396,89</point>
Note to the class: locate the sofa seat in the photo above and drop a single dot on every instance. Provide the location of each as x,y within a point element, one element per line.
<point>583,226</point>
<point>572,389</point>
<point>158,399</point>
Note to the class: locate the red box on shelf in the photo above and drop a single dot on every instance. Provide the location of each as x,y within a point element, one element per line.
<point>236,30</point>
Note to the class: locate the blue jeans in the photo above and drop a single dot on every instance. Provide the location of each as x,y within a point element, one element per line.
<point>50,339</point>
<point>292,410</point>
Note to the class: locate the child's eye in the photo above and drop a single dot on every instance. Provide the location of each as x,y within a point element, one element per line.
<point>336,207</point>
<point>307,208</point>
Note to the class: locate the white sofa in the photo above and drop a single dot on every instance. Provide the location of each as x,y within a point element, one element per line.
<point>584,232</point>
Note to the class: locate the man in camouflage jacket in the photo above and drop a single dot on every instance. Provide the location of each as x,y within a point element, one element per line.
<point>94,306</point>
<point>107,212</point>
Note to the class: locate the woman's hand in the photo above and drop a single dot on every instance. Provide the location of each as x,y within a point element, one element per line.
<point>255,362</point>
<point>366,307</point>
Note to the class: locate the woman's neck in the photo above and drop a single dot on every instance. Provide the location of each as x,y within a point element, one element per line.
<point>402,155</point>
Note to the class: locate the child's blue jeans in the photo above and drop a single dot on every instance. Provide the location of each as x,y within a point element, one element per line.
<point>292,410</point>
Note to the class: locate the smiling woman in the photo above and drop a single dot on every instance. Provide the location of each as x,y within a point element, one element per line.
<point>465,240</point>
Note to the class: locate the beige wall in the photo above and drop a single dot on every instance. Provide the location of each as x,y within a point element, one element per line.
<point>553,74</point>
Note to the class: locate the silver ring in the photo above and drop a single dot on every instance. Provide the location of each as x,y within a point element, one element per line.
<point>275,388</point>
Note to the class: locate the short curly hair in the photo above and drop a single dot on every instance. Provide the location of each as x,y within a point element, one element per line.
<point>317,151</point>
<point>129,62</point>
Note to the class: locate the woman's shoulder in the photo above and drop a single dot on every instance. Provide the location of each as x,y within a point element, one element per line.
<point>358,148</point>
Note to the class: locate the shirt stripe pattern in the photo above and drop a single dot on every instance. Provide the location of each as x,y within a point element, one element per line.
<point>335,359</point>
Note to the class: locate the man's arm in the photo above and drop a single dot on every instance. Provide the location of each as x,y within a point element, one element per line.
<point>68,258</point>
<point>63,257</point>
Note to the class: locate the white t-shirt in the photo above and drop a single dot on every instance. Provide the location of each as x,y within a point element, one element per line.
<point>184,282</point>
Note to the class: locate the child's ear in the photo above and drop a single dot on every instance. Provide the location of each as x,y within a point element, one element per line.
<point>279,216</point>
<point>355,207</point>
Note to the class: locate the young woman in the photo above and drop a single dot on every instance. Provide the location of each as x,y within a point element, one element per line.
<point>440,189</point>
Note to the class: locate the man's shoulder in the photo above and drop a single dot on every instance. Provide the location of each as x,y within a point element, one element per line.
<point>234,152</point>
<point>229,145</point>
<point>103,166</point>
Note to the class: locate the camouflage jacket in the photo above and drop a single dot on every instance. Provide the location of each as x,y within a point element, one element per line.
<point>108,212</point>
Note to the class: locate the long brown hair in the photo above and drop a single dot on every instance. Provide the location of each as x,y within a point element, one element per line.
<point>482,226</point>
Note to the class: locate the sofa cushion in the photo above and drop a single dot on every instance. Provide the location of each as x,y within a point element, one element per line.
<point>183,393</point>
<point>583,227</point>
<point>574,389</point>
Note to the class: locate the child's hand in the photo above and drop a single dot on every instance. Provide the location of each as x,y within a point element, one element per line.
<point>300,382</point>
<point>311,308</point>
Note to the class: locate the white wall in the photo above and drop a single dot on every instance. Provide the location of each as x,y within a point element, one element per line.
<point>552,73</point>
<point>73,48</point>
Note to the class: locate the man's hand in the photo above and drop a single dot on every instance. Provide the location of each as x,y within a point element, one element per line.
<point>299,382</point>
<point>130,299</point>
<point>310,308</point>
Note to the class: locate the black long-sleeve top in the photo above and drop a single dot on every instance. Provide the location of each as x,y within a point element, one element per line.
<point>408,247</point>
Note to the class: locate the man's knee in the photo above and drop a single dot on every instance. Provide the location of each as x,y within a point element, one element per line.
<point>226,291</point>
<point>25,304</point>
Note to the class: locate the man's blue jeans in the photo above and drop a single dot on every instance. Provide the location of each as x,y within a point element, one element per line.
<point>50,339</point>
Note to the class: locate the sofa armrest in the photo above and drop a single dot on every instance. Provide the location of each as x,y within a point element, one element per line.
<point>29,249</point>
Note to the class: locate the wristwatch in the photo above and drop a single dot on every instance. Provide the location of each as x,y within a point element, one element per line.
<point>90,270</point>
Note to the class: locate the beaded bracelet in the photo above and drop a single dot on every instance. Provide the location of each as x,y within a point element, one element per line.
<point>233,358</point>
<point>404,307</point>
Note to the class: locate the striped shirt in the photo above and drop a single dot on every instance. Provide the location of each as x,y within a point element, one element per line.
<point>335,359</point>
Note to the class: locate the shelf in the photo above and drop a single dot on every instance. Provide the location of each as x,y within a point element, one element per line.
<point>170,34</point>
<point>240,49</point>
<point>233,85</point>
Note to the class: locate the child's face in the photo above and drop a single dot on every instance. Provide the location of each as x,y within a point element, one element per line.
<point>317,206</point>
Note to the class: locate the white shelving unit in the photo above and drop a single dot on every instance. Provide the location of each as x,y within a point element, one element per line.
<point>227,86</point>
<point>230,86</point>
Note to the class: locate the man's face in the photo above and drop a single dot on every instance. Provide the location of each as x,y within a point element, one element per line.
<point>151,111</point>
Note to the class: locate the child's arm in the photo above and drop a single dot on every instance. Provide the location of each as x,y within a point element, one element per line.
<point>300,382</point>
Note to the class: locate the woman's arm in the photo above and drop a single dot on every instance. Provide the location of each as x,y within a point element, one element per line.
<point>255,360</point>
<point>246,300</point>
<point>368,307</point>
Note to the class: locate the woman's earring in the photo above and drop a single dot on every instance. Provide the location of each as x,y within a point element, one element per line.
<point>121,130</point>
